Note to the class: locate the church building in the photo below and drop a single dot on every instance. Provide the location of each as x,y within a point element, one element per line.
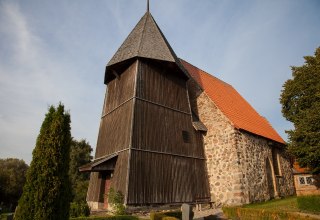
<point>170,133</point>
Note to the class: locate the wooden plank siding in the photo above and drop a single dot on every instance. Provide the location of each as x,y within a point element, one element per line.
<point>164,168</point>
<point>159,84</point>
<point>159,179</point>
<point>147,121</point>
<point>115,131</point>
<point>119,177</point>
<point>115,127</point>
<point>94,188</point>
<point>157,128</point>
<point>120,89</point>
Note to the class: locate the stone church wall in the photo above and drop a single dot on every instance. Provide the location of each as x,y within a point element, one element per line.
<point>222,161</point>
<point>286,180</point>
<point>254,152</point>
<point>236,160</point>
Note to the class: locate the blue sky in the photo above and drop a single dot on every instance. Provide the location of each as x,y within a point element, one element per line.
<point>53,51</point>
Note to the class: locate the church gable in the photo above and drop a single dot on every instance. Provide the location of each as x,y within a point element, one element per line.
<point>232,104</point>
<point>245,161</point>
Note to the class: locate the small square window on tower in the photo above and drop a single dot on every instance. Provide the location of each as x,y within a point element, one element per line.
<point>186,136</point>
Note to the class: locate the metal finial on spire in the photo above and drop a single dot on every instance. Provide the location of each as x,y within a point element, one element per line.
<point>148,6</point>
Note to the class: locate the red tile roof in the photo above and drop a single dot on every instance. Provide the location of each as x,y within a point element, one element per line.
<point>232,104</point>
<point>297,169</point>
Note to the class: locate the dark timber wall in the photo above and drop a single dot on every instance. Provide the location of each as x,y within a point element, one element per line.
<point>115,131</point>
<point>164,167</point>
<point>147,121</point>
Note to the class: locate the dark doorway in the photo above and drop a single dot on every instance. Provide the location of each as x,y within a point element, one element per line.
<point>105,187</point>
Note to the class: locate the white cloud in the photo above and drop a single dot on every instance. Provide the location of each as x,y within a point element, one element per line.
<point>32,78</point>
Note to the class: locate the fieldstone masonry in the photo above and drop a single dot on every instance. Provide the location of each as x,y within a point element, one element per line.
<point>237,160</point>
<point>255,153</point>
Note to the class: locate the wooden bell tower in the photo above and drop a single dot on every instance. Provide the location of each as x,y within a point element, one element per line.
<point>147,147</point>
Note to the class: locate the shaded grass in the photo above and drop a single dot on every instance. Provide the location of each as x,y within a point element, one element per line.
<point>309,203</point>
<point>116,217</point>
<point>288,204</point>
<point>287,208</point>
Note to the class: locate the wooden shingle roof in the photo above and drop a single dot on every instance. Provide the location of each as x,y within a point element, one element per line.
<point>146,40</point>
<point>232,104</point>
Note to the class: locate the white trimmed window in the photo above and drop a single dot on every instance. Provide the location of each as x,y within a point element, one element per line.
<point>305,180</point>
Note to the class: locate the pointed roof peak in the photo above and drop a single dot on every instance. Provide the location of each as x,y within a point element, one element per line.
<point>145,40</point>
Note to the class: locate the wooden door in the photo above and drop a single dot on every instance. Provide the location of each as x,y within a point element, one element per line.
<point>106,190</point>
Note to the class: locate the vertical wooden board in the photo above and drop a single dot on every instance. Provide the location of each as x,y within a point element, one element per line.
<point>119,177</point>
<point>121,88</point>
<point>200,171</point>
<point>160,85</point>
<point>160,129</point>
<point>159,178</point>
<point>115,131</point>
<point>93,193</point>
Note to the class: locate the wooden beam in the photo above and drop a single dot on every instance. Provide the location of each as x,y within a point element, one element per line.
<point>166,153</point>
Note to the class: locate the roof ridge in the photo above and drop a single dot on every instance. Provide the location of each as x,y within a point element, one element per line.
<point>143,31</point>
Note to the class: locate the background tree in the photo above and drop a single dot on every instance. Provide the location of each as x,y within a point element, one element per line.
<point>300,101</point>
<point>46,194</point>
<point>80,154</point>
<point>12,178</point>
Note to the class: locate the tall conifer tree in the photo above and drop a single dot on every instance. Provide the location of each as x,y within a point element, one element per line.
<point>46,194</point>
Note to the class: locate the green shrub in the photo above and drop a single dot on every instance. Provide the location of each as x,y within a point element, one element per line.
<point>230,212</point>
<point>170,215</point>
<point>116,199</point>
<point>176,214</point>
<point>236,213</point>
<point>116,217</point>
<point>169,218</point>
<point>309,203</point>
<point>4,216</point>
<point>79,209</point>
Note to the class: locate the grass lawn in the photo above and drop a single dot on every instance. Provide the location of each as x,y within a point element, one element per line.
<point>293,208</point>
<point>289,204</point>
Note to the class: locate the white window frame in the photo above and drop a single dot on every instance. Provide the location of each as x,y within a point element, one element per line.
<point>305,180</point>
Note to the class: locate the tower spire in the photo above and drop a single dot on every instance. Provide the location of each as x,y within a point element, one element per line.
<point>148,6</point>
